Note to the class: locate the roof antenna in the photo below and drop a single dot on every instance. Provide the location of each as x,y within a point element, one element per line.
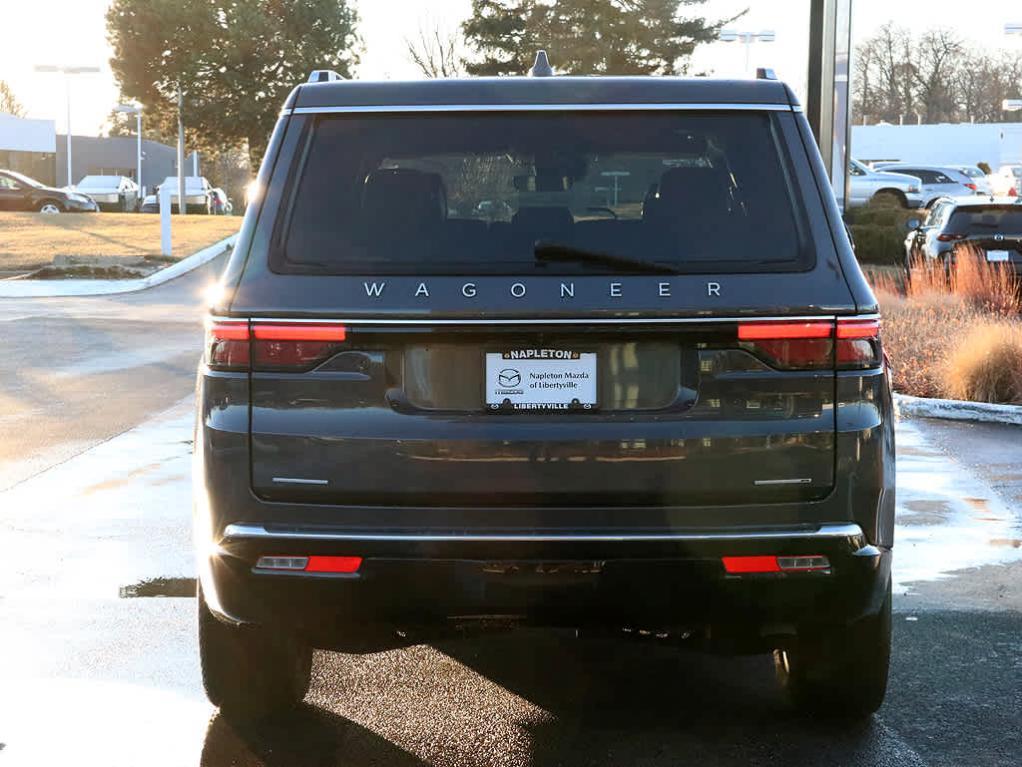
<point>542,66</point>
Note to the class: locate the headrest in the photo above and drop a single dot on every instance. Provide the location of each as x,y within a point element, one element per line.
<point>546,219</point>
<point>403,195</point>
<point>685,183</point>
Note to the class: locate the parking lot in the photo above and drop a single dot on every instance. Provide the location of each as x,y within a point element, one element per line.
<point>100,663</point>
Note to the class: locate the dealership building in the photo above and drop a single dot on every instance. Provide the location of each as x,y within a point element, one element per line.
<point>34,147</point>
<point>942,144</point>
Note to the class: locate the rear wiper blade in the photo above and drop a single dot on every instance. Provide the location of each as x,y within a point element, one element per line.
<point>555,251</point>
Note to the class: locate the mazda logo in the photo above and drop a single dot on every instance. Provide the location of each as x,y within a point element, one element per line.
<point>998,237</point>
<point>509,377</point>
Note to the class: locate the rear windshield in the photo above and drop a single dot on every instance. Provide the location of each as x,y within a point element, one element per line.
<point>1005,220</point>
<point>484,193</point>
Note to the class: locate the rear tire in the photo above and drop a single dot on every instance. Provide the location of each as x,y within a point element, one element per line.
<point>251,672</point>
<point>840,672</point>
<point>50,207</point>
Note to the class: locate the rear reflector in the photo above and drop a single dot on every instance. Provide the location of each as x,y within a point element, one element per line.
<point>313,564</point>
<point>333,564</point>
<point>772,564</point>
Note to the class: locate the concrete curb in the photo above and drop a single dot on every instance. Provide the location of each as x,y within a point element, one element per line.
<point>957,410</point>
<point>54,288</point>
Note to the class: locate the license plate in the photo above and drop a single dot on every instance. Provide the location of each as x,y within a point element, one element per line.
<point>997,255</point>
<point>540,379</point>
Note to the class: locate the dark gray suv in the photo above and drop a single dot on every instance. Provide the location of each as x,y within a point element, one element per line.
<point>584,353</point>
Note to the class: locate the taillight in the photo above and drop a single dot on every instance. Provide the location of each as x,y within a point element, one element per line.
<point>971,186</point>
<point>858,344</point>
<point>227,344</point>
<point>813,345</point>
<point>293,346</point>
<point>950,237</point>
<point>1013,192</point>
<point>288,346</point>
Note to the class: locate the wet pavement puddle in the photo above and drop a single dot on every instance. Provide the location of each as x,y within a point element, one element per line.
<point>947,518</point>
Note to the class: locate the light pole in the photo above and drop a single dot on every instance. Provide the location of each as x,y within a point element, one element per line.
<point>137,111</point>
<point>67,72</point>
<point>747,39</point>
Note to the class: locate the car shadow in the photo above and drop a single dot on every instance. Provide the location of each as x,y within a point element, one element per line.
<point>309,736</point>
<point>540,698</point>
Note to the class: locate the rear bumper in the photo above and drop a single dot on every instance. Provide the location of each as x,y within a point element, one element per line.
<point>668,581</point>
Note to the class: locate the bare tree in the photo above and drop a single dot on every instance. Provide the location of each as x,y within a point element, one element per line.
<point>8,103</point>
<point>939,55</point>
<point>437,53</point>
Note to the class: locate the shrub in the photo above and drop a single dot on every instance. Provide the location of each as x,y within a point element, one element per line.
<point>986,366</point>
<point>882,245</point>
<point>993,287</point>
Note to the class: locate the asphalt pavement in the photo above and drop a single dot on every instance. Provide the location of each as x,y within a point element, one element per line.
<point>98,661</point>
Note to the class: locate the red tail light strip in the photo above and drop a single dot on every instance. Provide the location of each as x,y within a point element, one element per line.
<point>298,332</point>
<point>320,564</point>
<point>760,331</point>
<point>227,330</point>
<point>858,328</point>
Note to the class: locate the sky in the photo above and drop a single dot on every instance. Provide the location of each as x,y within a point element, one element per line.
<point>73,32</point>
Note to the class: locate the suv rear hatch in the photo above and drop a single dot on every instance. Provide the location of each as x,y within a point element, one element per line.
<point>544,309</point>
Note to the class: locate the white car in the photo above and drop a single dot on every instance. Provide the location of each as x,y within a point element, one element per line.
<point>977,177</point>
<point>937,180</point>
<point>866,185</point>
<point>1007,181</point>
<point>111,193</point>
<point>197,190</point>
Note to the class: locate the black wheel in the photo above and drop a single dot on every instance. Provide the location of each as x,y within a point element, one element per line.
<point>840,672</point>
<point>251,672</point>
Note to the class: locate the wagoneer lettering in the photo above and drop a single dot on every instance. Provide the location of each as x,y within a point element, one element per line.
<point>447,358</point>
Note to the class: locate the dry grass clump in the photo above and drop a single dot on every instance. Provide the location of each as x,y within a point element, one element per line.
<point>987,365</point>
<point>955,335</point>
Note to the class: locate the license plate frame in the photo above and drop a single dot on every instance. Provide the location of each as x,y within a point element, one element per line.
<point>524,380</point>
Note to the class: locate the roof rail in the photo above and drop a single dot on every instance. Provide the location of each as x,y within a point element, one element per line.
<point>323,76</point>
<point>765,73</point>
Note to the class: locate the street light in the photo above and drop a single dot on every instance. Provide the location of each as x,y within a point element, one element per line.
<point>747,39</point>
<point>137,111</point>
<point>67,71</point>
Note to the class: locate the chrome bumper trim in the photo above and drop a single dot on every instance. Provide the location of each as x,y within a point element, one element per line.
<point>258,532</point>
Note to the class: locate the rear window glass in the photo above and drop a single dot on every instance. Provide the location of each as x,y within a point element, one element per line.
<point>485,192</point>
<point>1007,220</point>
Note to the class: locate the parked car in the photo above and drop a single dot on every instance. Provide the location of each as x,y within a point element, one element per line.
<point>19,192</point>
<point>978,177</point>
<point>937,181</point>
<point>112,193</point>
<point>197,199</point>
<point>994,226</point>
<point>675,419</point>
<point>867,185</point>
<point>1007,181</point>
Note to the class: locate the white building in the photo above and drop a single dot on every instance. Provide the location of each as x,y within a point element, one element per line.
<point>945,144</point>
<point>28,146</point>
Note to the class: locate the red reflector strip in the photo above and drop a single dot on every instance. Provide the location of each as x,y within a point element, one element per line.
<point>228,330</point>
<point>319,564</point>
<point>858,328</point>
<point>755,331</point>
<point>751,565</point>
<point>771,564</point>
<point>298,332</point>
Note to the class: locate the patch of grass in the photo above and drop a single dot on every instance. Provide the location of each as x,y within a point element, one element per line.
<point>957,336</point>
<point>987,365</point>
<point>30,240</point>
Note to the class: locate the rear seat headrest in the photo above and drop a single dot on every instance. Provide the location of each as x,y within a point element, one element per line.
<point>404,197</point>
